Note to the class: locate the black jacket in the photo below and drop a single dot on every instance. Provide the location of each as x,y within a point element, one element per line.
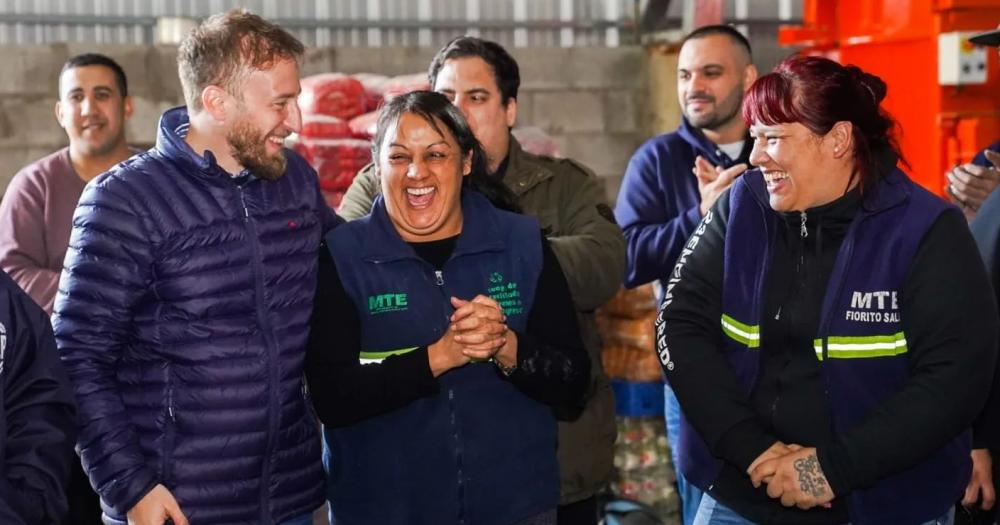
<point>37,414</point>
<point>788,401</point>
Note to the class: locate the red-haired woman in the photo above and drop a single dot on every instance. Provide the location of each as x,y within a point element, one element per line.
<point>829,328</point>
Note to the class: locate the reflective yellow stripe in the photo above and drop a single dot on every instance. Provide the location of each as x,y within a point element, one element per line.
<point>377,357</point>
<point>862,347</point>
<point>747,335</point>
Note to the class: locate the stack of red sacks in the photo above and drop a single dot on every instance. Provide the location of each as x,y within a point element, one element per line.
<point>379,88</point>
<point>328,102</point>
<point>339,113</point>
<point>364,125</point>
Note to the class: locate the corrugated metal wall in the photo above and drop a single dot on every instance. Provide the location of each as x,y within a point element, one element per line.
<point>362,23</point>
<point>329,22</point>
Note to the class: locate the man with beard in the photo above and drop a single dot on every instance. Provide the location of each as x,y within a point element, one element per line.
<point>36,214</point>
<point>673,179</point>
<point>185,299</point>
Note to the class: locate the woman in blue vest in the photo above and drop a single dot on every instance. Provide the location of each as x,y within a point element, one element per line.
<point>443,338</point>
<point>828,328</point>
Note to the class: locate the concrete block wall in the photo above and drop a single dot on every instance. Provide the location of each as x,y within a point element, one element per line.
<point>591,100</point>
<point>28,93</point>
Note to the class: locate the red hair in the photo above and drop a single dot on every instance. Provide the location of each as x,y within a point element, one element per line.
<point>817,93</point>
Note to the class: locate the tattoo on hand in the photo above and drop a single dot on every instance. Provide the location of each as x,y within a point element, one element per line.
<point>811,478</point>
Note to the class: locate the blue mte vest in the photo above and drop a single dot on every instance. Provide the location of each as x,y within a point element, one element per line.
<point>478,452</point>
<point>861,343</point>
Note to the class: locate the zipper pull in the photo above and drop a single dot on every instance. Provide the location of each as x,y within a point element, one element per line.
<point>243,201</point>
<point>803,232</point>
<point>777,316</point>
<point>439,277</point>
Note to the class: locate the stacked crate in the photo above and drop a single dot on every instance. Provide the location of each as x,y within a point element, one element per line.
<point>642,457</point>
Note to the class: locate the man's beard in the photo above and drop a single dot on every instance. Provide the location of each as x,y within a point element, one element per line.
<point>248,148</point>
<point>730,105</point>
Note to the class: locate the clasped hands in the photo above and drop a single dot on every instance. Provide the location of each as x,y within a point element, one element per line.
<point>792,474</point>
<point>477,331</point>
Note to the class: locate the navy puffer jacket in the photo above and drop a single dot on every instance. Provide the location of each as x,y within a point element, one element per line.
<point>182,316</point>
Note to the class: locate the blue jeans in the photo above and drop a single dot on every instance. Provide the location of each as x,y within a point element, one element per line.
<point>301,520</point>
<point>711,512</point>
<point>690,494</point>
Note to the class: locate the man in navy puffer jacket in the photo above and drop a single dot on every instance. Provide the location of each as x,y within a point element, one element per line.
<point>184,304</point>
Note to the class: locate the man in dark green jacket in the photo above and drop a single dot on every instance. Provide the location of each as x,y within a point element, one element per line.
<point>482,79</point>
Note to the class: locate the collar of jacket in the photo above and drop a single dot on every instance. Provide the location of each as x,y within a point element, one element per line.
<point>172,129</point>
<point>523,174</point>
<point>888,192</point>
<point>481,231</point>
<point>708,149</point>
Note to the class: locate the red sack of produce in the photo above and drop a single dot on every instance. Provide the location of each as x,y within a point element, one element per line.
<point>336,174</point>
<point>333,199</point>
<point>364,125</point>
<point>297,147</point>
<point>374,88</point>
<point>336,161</point>
<point>536,141</point>
<point>325,126</point>
<point>333,94</point>
<point>404,84</point>
<point>318,148</point>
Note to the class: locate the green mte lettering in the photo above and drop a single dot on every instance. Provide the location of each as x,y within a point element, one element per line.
<point>386,302</point>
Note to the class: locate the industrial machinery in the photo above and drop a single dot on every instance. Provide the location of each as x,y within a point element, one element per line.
<point>943,91</point>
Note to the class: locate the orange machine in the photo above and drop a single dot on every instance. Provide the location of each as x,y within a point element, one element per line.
<point>943,91</point>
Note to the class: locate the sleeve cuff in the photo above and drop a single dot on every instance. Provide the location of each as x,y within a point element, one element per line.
<point>129,498</point>
<point>416,367</point>
<point>694,216</point>
<point>831,459</point>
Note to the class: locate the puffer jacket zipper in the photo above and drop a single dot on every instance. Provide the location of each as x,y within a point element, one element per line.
<point>272,357</point>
